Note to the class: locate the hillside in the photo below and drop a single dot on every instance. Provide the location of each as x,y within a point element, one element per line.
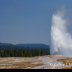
<point>34,45</point>
<point>4,46</point>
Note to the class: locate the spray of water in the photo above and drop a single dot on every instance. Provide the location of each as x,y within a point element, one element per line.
<point>61,41</point>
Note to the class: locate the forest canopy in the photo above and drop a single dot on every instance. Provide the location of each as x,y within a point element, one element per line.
<point>22,53</point>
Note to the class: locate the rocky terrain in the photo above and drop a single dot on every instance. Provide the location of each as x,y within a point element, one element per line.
<point>40,62</point>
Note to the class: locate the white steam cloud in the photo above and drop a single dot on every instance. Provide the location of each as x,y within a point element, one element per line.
<point>61,41</point>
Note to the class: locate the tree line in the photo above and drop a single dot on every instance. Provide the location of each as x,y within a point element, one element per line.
<point>22,53</point>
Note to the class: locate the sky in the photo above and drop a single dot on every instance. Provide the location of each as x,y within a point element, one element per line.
<point>29,21</point>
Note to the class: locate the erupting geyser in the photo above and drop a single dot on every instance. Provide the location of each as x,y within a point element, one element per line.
<point>61,41</point>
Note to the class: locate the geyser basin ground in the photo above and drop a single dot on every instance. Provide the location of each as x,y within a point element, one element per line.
<point>40,62</point>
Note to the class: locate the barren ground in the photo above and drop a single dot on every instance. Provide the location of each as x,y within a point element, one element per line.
<point>40,62</point>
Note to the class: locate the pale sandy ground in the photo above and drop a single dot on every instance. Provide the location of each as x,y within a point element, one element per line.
<point>40,62</point>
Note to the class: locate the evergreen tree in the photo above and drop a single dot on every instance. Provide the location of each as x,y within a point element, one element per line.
<point>42,52</point>
<point>0,53</point>
<point>30,54</point>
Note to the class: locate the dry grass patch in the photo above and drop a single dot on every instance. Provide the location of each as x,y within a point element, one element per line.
<point>67,61</point>
<point>21,65</point>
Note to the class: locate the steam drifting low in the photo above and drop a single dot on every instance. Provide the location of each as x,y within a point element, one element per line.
<point>61,41</point>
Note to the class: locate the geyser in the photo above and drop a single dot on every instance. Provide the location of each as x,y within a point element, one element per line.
<point>61,41</point>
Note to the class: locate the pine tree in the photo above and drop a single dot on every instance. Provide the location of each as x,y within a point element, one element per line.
<point>42,52</point>
<point>30,54</point>
<point>0,53</point>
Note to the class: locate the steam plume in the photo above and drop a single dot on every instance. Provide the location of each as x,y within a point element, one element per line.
<point>61,41</point>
